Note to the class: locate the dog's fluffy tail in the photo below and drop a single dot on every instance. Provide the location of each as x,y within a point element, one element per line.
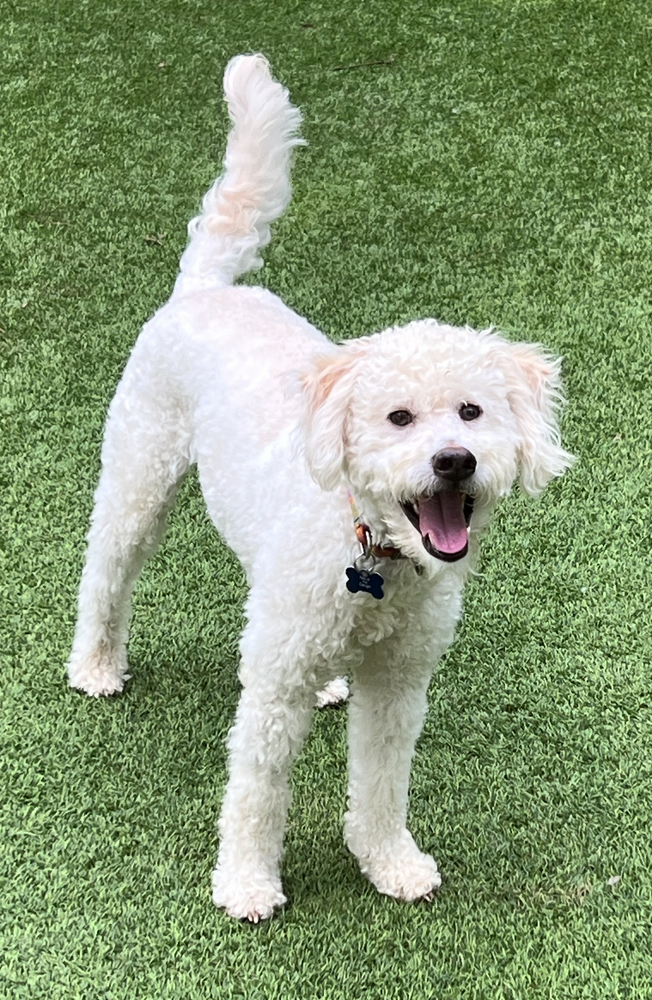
<point>254,187</point>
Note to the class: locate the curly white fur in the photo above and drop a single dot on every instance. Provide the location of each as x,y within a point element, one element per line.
<point>282,425</point>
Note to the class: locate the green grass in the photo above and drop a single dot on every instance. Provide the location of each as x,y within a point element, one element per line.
<point>495,168</point>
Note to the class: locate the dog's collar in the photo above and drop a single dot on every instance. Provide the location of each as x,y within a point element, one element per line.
<point>364,536</point>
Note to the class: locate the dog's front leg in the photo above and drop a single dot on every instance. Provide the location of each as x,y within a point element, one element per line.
<point>386,714</point>
<point>271,724</point>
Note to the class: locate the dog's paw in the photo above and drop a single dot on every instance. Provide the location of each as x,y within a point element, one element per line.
<point>98,674</point>
<point>335,692</point>
<point>405,873</point>
<point>407,880</point>
<point>247,897</point>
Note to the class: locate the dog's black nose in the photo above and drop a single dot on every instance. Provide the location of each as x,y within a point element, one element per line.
<point>454,464</point>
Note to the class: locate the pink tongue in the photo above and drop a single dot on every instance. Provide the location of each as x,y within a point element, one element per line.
<point>441,518</point>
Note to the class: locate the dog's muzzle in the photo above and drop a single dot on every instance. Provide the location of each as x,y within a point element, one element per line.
<point>442,518</point>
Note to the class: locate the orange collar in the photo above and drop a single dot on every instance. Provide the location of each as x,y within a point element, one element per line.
<point>364,536</point>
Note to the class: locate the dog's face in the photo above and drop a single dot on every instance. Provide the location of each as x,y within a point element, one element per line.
<point>430,425</point>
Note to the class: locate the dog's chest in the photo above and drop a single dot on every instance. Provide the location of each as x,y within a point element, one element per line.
<point>400,608</point>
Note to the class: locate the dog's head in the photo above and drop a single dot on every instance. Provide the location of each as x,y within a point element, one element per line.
<point>430,425</point>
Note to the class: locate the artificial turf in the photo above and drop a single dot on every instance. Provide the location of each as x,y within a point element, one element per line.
<point>480,162</point>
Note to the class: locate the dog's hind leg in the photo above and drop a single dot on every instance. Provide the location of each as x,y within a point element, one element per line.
<point>335,693</point>
<point>144,455</point>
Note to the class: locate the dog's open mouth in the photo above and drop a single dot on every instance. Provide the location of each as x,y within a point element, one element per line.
<point>442,521</point>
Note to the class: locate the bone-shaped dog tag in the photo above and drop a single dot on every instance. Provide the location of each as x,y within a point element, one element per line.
<point>365,581</point>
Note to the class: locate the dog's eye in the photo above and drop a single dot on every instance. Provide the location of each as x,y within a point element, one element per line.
<point>401,417</point>
<point>470,411</point>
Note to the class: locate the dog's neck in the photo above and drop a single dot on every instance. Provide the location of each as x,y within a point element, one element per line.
<point>365,537</point>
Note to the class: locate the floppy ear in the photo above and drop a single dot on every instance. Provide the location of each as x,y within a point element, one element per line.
<point>535,396</point>
<point>328,389</point>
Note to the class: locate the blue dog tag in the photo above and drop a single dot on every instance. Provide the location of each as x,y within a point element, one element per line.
<point>363,580</point>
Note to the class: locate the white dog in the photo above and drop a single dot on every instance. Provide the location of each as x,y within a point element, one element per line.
<point>352,481</point>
